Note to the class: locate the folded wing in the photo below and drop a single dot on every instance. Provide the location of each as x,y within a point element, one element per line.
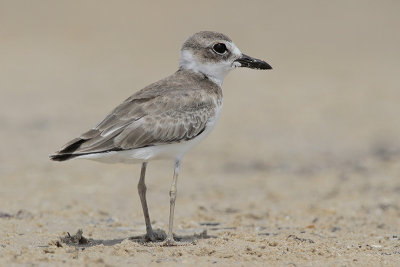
<point>145,120</point>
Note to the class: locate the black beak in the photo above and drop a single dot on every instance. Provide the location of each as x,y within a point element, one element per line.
<point>252,63</point>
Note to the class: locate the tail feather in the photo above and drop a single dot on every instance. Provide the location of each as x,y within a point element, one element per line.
<point>62,157</point>
<point>67,152</point>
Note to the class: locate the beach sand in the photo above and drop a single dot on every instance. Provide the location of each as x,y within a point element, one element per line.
<point>303,168</point>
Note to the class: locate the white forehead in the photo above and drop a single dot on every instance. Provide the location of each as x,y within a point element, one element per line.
<point>234,49</point>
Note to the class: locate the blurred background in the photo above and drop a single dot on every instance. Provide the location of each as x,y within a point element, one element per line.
<point>332,99</point>
<point>334,90</point>
<point>316,137</point>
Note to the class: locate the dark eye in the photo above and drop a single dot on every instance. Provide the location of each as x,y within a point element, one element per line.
<point>220,48</point>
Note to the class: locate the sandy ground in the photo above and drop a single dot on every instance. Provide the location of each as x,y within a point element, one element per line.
<point>303,168</point>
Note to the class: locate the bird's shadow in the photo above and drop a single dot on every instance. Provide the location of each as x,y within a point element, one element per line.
<point>79,241</point>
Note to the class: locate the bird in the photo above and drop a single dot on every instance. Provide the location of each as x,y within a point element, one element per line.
<point>165,119</point>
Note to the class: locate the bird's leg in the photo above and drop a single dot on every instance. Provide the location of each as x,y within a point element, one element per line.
<point>172,196</point>
<point>142,194</point>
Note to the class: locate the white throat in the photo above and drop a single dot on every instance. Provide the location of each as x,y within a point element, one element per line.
<point>214,71</point>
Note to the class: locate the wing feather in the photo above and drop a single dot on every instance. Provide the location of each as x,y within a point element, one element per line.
<point>154,115</point>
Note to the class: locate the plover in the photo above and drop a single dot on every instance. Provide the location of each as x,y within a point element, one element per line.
<point>167,118</point>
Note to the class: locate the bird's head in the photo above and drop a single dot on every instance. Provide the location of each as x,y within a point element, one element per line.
<point>214,54</point>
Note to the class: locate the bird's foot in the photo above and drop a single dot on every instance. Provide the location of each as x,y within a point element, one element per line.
<point>170,242</point>
<point>156,235</point>
<point>173,243</point>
